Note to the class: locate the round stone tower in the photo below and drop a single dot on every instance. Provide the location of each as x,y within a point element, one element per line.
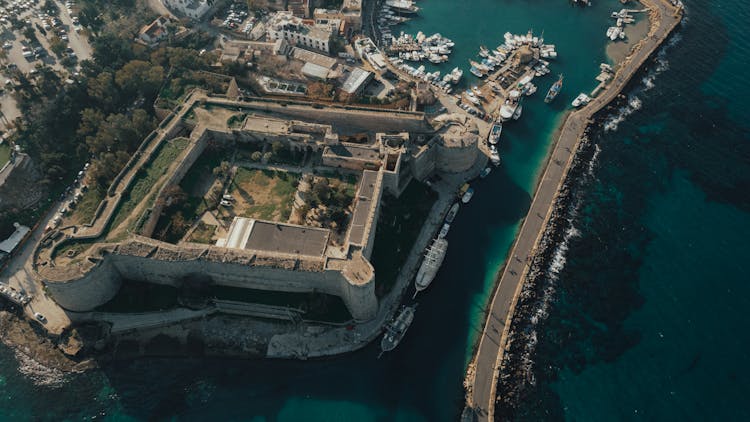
<point>457,146</point>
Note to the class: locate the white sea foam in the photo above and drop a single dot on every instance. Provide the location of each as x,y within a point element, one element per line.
<point>594,160</point>
<point>648,82</point>
<point>38,373</point>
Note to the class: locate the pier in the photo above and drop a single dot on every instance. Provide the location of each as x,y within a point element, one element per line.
<point>484,369</point>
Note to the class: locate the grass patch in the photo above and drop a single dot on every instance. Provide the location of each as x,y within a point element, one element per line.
<point>203,233</point>
<point>263,194</point>
<point>148,176</point>
<point>88,204</point>
<point>4,153</point>
<point>76,246</point>
<point>400,223</point>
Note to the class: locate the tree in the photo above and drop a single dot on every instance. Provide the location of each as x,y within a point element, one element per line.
<point>256,156</point>
<point>104,168</point>
<point>57,45</point>
<point>267,157</point>
<point>277,147</point>
<point>139,77</point>
<point>29,33</point>
<point>103,88</point>
<point>174,195</point>
<point>222,170</point>
<point>322,191</point>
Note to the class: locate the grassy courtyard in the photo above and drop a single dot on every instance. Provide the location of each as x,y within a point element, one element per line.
<point>262,194</point>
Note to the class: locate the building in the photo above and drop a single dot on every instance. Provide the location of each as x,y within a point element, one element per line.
<point>314,71</point>
<point>284,25</point>
<point>351,12</point>
<point>299,8</point>
<point>357,81</point>
<point>245,51</point>
<point>9,245</point>
<point>367,50</point>
<point>331,19</point>
<point>194,9</point>
<point>154,32</point>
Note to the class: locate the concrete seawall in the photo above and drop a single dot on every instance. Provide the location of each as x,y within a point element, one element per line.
<point>483,371</point>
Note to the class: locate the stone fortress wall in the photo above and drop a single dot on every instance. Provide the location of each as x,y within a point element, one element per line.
<point>102,283</point>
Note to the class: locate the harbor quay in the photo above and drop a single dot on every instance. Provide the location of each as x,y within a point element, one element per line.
<point>484,369</point>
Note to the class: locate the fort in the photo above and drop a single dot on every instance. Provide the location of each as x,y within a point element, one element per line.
<point>294,210</point>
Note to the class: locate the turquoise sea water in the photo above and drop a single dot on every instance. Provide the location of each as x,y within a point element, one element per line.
<point>649,311</point>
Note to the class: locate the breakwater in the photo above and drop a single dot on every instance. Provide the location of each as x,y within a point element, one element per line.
<point>483,371</point>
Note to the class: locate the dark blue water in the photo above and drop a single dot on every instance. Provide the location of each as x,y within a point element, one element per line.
<point>648,316</point>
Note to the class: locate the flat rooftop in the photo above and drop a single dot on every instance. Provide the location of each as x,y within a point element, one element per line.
<point>247,233</point>
<point>262,124</point>
<point>360,152</point>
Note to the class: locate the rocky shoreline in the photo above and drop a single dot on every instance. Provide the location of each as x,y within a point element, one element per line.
<point>517,373</point>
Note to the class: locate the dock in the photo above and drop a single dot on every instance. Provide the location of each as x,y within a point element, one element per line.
<point>486,365</point>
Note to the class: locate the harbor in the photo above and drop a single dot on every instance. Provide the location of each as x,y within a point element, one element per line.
<point>441,293</point>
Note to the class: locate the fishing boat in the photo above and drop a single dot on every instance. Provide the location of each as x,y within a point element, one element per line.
<point>452,213</point>
<point>554,90</point>
<point>495,132</point>
<point>396,329</point>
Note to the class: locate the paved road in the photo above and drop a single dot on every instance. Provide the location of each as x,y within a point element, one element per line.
<point>484,369</point>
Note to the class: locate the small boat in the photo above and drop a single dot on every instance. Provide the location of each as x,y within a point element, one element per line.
<point>466,197</point>
<point>495,132</point>
<point>494,156</point>
<point>452,213</point>
<point>581,100</point>
<point>507,110</point>
<point>530,89</point>
<point>554,90</point>
<point>396,329</point>
<point>517,113</point>
<point>444,231</point>
<point>485,172</point>
<point>474,71</point>
<point>483,51</point>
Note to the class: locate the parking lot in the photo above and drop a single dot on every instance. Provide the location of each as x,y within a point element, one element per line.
<point>18,19</point>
